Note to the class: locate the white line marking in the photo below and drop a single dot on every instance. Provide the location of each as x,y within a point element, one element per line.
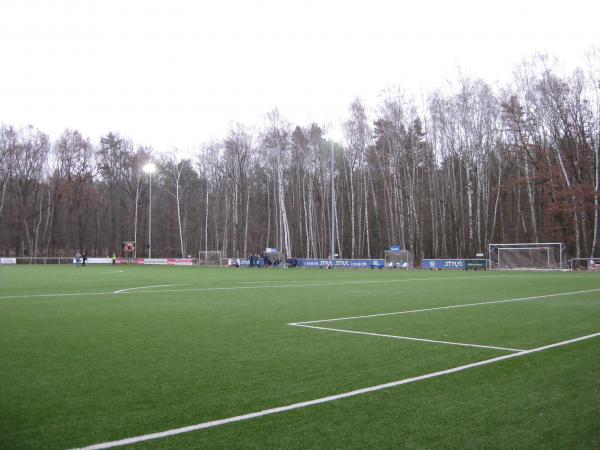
<point>331,283</point>
<point>279,281</point>
<point>331,398</point>
<point>120,291</point>
<point>407,338</point>
<point>336,283</point>
<point>465,305</point>
<point>69,294</point>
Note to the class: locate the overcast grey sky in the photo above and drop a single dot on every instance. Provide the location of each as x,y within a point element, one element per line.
<point>176,73</point>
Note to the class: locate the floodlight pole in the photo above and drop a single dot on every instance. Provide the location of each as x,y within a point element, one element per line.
<point>332,212</point>
<point>150,220</point>
<point>150,168</point>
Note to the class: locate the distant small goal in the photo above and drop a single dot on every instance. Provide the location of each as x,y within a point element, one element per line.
<point>580,264</point>
<point>210,257</point>
<point>528,256</point>
<point>399,259</point>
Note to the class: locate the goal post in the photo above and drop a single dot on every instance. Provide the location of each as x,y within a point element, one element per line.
<point>585,264</point>
<point>209,258</point>
<point>528,256</point>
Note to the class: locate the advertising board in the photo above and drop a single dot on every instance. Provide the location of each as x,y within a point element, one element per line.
<point>99,261</point>
<point>443,264</point>
<point>152,261</point>
<point>180,262</point>
<point>319,263</point>
<point>342,263</point>
<point>476,264</point>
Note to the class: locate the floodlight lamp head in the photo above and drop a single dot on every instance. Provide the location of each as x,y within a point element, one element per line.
<point>331,134</point>
<point>149,168</point>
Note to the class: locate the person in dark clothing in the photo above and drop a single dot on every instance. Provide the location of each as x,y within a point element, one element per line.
<point>83,258</point>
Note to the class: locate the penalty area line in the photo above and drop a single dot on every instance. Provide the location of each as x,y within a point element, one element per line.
<point>331,398</point>
<point>409,338</point>
<point>439,308</point>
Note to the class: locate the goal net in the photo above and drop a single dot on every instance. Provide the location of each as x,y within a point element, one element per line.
<point>528,256</point>
<point>585,264</point>
<point>401,259</point>
<point>209,258</point>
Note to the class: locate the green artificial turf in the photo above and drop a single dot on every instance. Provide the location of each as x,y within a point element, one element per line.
<point>80,364</point>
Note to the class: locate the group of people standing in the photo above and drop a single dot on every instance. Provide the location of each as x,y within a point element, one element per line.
<point>266,260</point>
<point>80,259</point>
<point>263,260</point>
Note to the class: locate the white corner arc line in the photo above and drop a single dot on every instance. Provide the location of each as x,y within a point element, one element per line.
<point>408,338</point>
<point>438,308</point>
<point>331,398</point>
<point>121,291</point>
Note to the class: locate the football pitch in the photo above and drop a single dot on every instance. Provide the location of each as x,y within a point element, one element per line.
<point>178,357</point>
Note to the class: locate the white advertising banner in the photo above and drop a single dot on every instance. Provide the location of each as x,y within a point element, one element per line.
<point>99,261</point>
<point>153,261</point>
<point>8,260</point>
<point>180,262</point>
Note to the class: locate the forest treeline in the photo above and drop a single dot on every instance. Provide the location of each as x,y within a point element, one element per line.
<point>443,178</point>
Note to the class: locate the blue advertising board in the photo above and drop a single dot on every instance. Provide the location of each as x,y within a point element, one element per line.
<point>318,263</point>
<point>395,248</point>
<point>446,264</point>
<point>342,263</point>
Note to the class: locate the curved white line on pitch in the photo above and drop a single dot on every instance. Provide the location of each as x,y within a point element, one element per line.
<point>120,291</point>
<point>294,284</point>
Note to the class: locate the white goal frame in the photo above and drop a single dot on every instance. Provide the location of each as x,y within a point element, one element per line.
<point>555,255</point>
<point>595,263</point>
<point>399,259</point>
<point>210,257</point>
